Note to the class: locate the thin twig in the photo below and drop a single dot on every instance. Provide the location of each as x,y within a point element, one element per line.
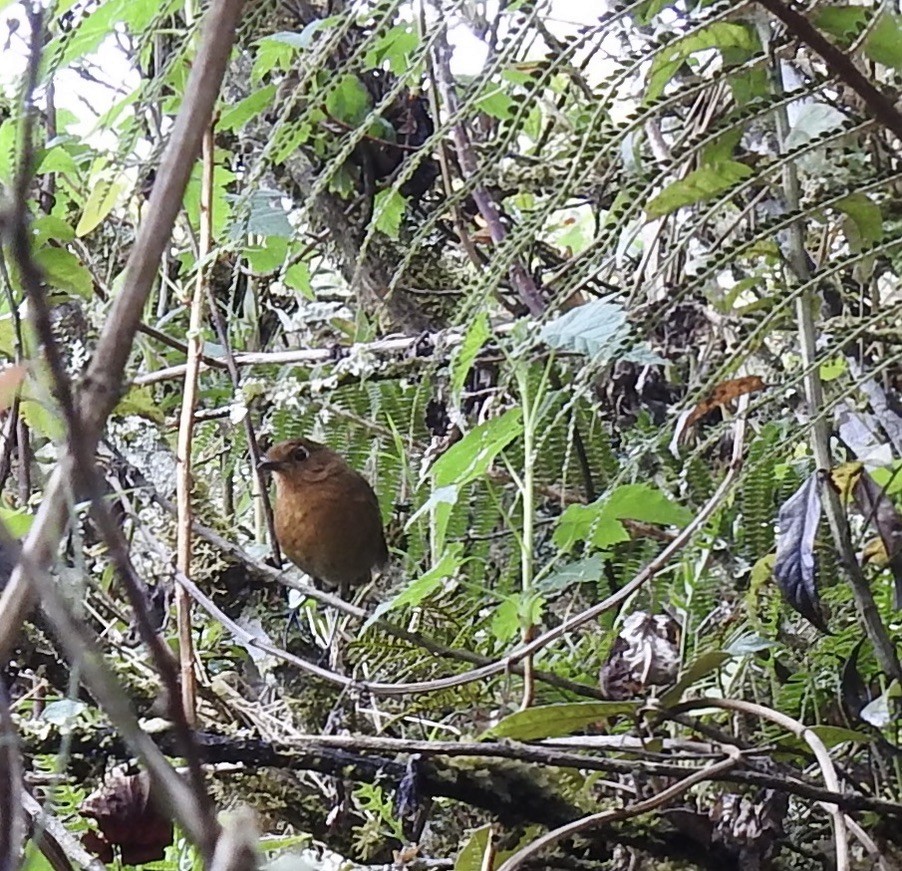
<point>183,482</point>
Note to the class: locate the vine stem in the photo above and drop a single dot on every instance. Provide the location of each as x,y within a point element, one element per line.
<point>186,433</point>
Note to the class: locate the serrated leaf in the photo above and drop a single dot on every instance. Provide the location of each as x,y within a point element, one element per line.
<point>423,587</point>
<point>388,212</point>
<point>599,523</point>
<point>720,35</point>
<point>350,102</point>
<point>577,572</point>
<point>553,721</point>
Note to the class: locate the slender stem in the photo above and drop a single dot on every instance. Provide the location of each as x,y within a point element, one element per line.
<point>186,434</point>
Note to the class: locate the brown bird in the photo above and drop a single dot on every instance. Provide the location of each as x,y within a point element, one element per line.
<point>326,515</point>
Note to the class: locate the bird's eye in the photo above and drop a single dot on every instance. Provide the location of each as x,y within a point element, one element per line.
<point>300,453</point>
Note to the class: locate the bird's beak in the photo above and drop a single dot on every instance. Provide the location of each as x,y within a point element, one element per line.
<point>266,465</point>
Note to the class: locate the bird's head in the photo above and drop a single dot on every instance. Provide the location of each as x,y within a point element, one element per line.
<point>301,460</point>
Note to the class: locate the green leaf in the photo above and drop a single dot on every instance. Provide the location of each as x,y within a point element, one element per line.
<point>238,115</point>
<point>701,184</point>
<point>866,217</point>
<point>388,212</point>
<point>17,521</point>
<point>477,335</point>
<point>833,735</point>
<point>51,227</point>
<point>720,35</point>
<point>101,200</point>
<point>496,103</point>
<point>57,159</point>
<point>423,587</point>
<point>884,43</point>
<point>265,216</point>
<point>471,457</point>
<point>588,569</point>
<point>350,102</point>
<point>297,277</point>
<point>7,150</point>
<point>844,23</point>
<point>142,402</point>
<point>553,721</point>
<point>472,855</point>
<point>394,48</point>
<point>267,257</point>
<point>63,270</point>
<point>599,523</point>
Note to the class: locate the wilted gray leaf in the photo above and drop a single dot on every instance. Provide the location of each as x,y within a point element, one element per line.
<point>795,568</point>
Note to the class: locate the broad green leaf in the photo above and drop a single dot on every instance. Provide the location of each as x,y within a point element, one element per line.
<point>57,159</point>
<point>17,521</point>
<point>497,103</point>
<point>394,48</point>
<point>350,102</point>
<point>388,211</point>
<point>599,523</point>
<point>47,227</point>
<point>553,721</point>
<point>142,402</point>
<point>720,35</point>
<point>235,117</point>
<point>699,185</point>
<point>471,457</point>
<point>42,419</point>
<point>884,43</point>
<point>63,270</point>
<point>101,200</point>
<point>506,620</point>
<point>263,215</point>
<point>751,643</point>
<point>833,735</point>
